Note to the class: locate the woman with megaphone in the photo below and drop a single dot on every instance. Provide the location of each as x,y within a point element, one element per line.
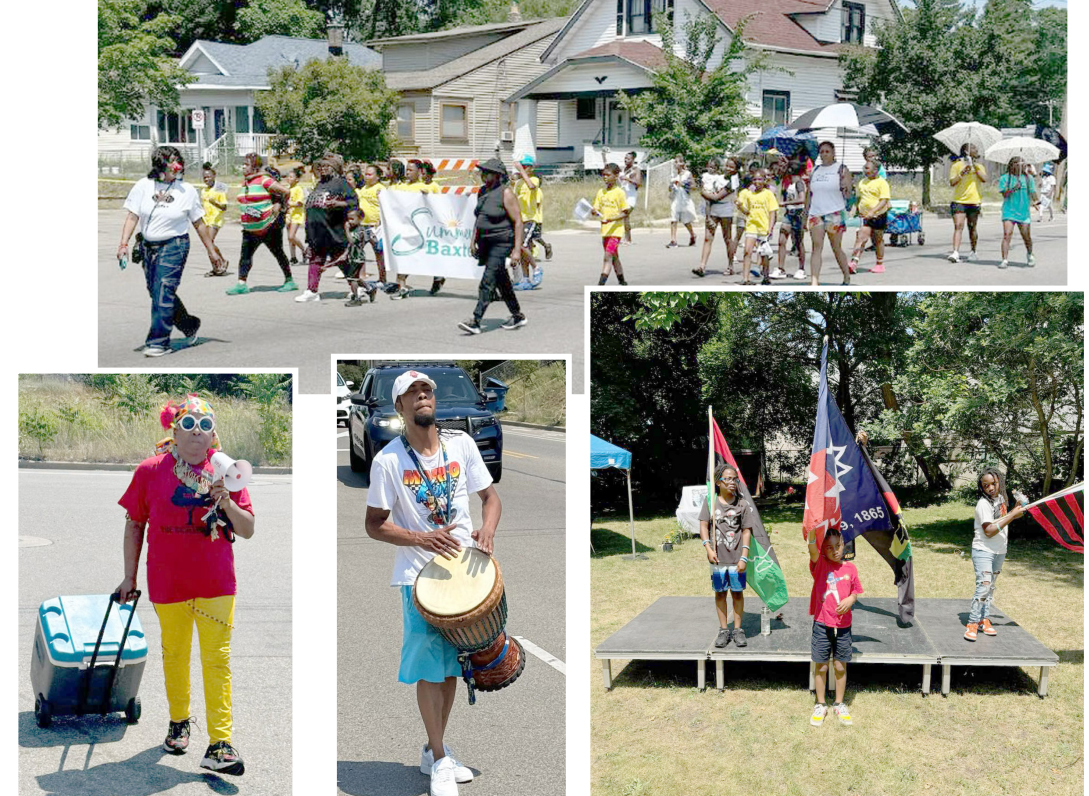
<point>192,501</point>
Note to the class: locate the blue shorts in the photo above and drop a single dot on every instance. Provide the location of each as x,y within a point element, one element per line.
<point>425,654</point>
<point>827,640</point>
<point>727,579</point>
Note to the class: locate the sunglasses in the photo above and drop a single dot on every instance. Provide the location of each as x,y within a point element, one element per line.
<point>206,424</point>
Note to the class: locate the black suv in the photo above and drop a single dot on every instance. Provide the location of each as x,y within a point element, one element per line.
<point>373,422</point>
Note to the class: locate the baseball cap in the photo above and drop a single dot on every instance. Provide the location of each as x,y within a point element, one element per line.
<point>527,160</point>
<point>406,380</point>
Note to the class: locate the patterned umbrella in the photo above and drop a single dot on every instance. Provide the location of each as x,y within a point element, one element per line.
<point>849,116</point>
<point>983,136</point>
<point>788,141</point>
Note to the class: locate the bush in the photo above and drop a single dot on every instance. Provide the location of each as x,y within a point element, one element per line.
<point>41,426</point>
<point>275,433</point>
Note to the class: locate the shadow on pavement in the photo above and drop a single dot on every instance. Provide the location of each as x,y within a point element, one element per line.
<point>70,730</point>
<point>378,778</point>
<point>356,480</point>
<point>138,776</point>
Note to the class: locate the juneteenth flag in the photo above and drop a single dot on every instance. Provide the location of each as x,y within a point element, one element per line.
<point>1061,516</point>
<point>845,490</point>
<point>764,573</point>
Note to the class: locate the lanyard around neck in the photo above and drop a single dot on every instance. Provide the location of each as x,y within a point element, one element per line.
<point>427,481</point>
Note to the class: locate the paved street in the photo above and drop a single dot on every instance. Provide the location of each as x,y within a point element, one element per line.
<point>513,739</point>
<point>77,514</point>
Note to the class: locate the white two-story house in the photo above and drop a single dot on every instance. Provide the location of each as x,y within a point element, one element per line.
<point>612,45</point>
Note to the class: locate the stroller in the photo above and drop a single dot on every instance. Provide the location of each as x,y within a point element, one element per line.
<point>905,219</point>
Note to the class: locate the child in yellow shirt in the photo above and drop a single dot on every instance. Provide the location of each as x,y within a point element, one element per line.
<point>214,197</point>
<point>530,200</point>
<point>760,208</point>
<point>873,208</point>
<point>611,205</point>
<point>296,212</point>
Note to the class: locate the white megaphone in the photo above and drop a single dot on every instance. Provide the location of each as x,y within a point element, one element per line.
<point>234,474</point>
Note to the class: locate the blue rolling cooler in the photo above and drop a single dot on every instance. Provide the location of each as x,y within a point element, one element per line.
<point>84,662</point>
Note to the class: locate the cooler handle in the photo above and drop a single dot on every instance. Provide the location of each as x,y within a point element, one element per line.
<point>115,597</point>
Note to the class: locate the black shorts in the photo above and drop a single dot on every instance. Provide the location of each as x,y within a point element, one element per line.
<point>351,270</point>
<point>531,231</point>
<point>828,640</point>
<point>972,211</point>
<point>878,222</point>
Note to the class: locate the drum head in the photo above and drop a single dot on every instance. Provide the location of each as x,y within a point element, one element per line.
<point>448,587</point>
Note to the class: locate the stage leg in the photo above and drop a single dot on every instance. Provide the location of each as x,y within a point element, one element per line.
<point>720,674</point>
<point>1043,680</point>
<point>701,673</point>
<point>926,678</point>
<point>946,668</point>
<point>607,672</point>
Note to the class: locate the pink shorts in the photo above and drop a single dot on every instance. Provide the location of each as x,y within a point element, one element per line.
<point>611,245</point>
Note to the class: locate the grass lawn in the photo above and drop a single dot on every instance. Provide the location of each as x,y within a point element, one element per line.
<point>655,733</point>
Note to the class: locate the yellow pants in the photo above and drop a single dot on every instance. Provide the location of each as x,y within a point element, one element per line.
<point>213,618</point>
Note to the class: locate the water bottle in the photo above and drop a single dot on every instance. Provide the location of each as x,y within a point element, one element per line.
<point>765,621</point>
<point>123,262</point>
<point>1019,496</point>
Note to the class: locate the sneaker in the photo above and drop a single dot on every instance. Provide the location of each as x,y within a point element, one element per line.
<point>222,758</point>
<point>436,284</point>
<point>353,301</point>
<point>844,715</point>
<point>177,737</point>
<point>292,261</point>
<point>671,245</point>
<point>308,295</point>
<point>970,633</point>
<point>601,280</point>
<point>548,249</point>
<point>765,281</point>
<point>778,273</point>
<point>622,281</point>
<point>953,257</point>
<point>754,273</point>
<point>523,285</point>
<point>427,760</point>
<point>1031,261</point>
<point>238,289</point>
<point>799,274</point>
<point>287,287</point>
<point>971,256</point>
<point>987,628</point>
<point>390,288</point>
<point>472,326</point>
<point>852,266</point>
<point>1004,264</point>
<point>400,294</point>
<point>191,335</point>
<point>878,269</point>
<point>443,782</point>
<point>820,710</point>
<point>538,277</point>
<point>514,321</point>
<point>723,637</point>
<point>371,293</point>
<point>691,241</point>
<point>156,350</point>
<point>739,637</point>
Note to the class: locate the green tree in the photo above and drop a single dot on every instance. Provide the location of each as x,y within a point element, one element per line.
<point>329,105</point>
<point>134,69</point>
<point>696,109</point>
<point>283,17</point>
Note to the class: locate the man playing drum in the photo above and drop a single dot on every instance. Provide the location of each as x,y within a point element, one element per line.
<point>419,500</point>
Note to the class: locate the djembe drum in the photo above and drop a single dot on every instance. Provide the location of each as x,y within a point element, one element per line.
<point>463,598</point>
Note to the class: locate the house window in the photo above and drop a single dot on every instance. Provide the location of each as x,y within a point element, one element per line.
<point>140,132</point>
<point>454,122</point>
<point>258,121</point>
<point>645,16</point>
<point>854,23</point>
<point>175,128</point>
<point>776,107</point>
<point>620,17</point>
<point>241,119</point>
<point>406,121</point>
<point>586,108</point>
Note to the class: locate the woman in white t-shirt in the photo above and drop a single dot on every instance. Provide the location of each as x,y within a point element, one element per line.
<point>164,206</point>
<point>826,210</point>
<point>719,190</point>
<point>988,548</point>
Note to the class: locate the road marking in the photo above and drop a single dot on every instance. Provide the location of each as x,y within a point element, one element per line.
<point>342,434</point>
<point>517,455</point>
<point>547,657</point>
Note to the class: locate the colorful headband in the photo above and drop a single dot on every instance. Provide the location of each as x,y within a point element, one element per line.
<point>173,412</point>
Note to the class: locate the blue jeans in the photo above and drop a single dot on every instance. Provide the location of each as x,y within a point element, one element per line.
<point>988,567</point>
<point>163,266</point>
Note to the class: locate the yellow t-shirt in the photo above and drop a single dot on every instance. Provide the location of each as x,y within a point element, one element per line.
<point>871,192</point>
<point>417,187</point>
<point>529,200</point>
<point>296,199</point>
<point>757,208</point>
<point>966,192</point>
<point>368,203</point>
<point>213,216</point>
<point>611,202</point>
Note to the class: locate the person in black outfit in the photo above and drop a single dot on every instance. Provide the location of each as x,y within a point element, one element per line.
<point>327,208</point>
<point>497,239</point>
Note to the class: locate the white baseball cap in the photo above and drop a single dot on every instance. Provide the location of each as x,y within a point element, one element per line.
<point>407,379</point>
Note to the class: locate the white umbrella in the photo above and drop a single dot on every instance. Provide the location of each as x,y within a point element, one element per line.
<point>1030,150</point>
<point>851,116</point>
<point>983,136</point>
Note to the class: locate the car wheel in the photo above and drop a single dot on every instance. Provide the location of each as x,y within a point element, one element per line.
<point>497,472</point>
<point>354,459</point>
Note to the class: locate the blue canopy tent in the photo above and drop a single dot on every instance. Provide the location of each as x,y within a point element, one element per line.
<point>604,455</point>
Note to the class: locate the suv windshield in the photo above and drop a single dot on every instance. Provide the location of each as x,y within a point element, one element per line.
<point>452,386</point>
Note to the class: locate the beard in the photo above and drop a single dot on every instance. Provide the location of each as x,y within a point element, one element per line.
<point>423,419</point>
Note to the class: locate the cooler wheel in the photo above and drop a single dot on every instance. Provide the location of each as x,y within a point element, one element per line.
<point>42,712</point>
<point>922,239</point>
<point>132,710</point>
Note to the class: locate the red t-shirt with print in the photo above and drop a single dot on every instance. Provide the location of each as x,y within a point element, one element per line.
<point>832,584</point>
<point>182,562</point>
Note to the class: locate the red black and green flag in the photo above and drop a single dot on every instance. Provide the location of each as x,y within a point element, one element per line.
<point>1061,516</point>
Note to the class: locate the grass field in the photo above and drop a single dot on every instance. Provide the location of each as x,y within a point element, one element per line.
<point>656,734</point>
<point>540,397</point>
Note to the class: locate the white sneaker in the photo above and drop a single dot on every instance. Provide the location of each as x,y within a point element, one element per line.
<point>778,273</point>
<point>427,760</point>
<point>308,295</point>
<point>442,778</point>
<point>954,257</point>
<point>820,710</point>
<point>799,274</point>
<point>1004,264</point>
<point>971,256</point>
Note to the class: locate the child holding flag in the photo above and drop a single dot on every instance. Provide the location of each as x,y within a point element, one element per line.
<point>728,552</point>
<point>835,586</point>
<point>988,548</point>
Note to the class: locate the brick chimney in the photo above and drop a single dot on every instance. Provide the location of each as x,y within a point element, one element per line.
<point>335,33</point>
<point>514,15</point>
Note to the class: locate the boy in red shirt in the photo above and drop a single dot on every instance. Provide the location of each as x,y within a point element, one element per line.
<point>835,586</point>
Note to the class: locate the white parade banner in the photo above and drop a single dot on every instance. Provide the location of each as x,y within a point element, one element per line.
<point>428,234</point>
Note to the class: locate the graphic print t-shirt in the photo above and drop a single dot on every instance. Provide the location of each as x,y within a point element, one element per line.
<point>730,520</point>
<point>397,486</point>
<point>832,584</point>
<point>182,563</point>
<point>987,511</point>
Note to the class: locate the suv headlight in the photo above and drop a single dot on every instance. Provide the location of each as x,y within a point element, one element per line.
<point>390,422</point>
<point>478,423</point>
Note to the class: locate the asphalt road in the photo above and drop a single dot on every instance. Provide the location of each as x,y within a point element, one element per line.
<point>265,329</point>
<point>513,739</point>
<point>77,513</point>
